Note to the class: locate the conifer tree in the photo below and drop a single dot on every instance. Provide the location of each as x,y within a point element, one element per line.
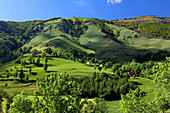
<point>38,61</point>
<point>45,67</point>
<point>21,74</point>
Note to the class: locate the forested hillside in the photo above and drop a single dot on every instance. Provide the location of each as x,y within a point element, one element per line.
<point>14,35</point>
<point>106,40</point>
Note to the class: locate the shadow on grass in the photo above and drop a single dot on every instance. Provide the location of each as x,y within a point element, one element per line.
<point>51,71</point>
<point>40,65</point>
<point>50,65</point>
<point>137,83</point>
<point>28,66</point>
<point>29,81</point>
<point>33,73</point>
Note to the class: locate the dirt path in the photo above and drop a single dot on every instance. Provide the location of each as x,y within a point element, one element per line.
<point>30,86</point>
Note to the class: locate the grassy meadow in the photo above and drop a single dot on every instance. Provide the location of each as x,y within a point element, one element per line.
<point>135,40</point>
<point>60,65</point>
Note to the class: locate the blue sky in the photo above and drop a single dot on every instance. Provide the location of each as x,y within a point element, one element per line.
<point>22,10</point>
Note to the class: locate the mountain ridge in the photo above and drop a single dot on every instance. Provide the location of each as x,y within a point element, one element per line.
<point>84,34</point>
<point>144,18</point>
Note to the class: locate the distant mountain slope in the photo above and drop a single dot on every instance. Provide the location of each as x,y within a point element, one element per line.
<point>148,26</point>
<point>108,40</point>
<point>14,35</point>
<point>55,34</point>
<point>144,19</point>
<point>133,39</point>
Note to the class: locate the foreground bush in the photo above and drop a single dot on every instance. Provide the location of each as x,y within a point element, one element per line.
<point>57,95</point>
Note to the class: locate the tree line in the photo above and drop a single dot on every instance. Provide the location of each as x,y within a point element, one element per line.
<point>103,85</point>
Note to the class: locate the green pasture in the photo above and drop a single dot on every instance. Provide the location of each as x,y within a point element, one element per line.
<point>58,65</point>
<point>105,47</point>
<point>55,65</point>
<point>72,68</point>
<point>95,39</point>
<point>127,37</point>
<point>54,35</point>
<point>63,44</point>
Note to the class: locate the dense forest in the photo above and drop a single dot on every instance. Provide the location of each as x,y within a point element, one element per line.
<point>14,35</point>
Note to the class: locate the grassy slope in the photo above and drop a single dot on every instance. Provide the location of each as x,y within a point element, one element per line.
<point>105,47</point>
<point>63,43</point>
<point>95,39</point>
<point>53,34</point>
<point>54,65</point>
<point>142,42</point>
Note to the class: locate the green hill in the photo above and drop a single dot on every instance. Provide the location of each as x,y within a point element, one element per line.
<point>100,37</point>
<point>54,35</point>
<point>87,50</point>
<point>133,39</point>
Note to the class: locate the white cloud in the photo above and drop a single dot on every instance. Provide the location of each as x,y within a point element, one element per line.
<point>84,4</point>
<point>81,2</point>
<point>114,1</point>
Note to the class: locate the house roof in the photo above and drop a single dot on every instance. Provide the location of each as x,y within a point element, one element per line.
<point>131,73</point>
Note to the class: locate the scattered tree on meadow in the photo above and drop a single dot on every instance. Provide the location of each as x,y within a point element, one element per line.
<point>100,68</point>
<point>30,70</point>
<point>45,66</point>
<point>6,85</point>
<point>30,59</point>
<point>21,74</point>
<point>34,52</point>
<point>23,63</point>
<point>27,77</point>
<point>95,67</point>
<point>7,75</point>
<point>43,54</point>
<point>38,61</point>
<point>105,67</point>
<point>46,59</point>
<point>16,72</point>
<point>33,60</point>
<point>48,50</point>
